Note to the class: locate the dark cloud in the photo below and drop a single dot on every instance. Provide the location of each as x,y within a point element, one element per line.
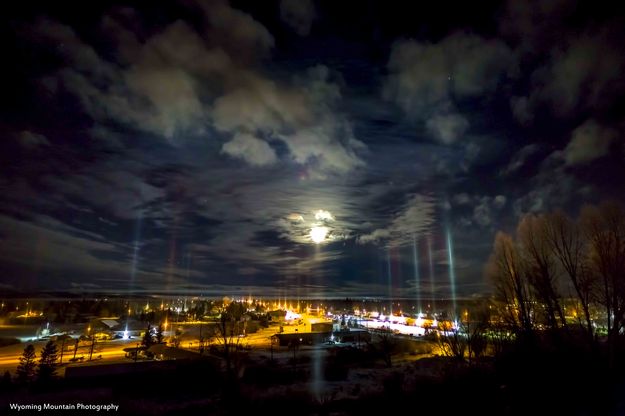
<point>573,53</point>
<point>31,140</point>
<point>298,15</point>
<point>447,128</point>
<point>520,158</point>
<point>428,78</point>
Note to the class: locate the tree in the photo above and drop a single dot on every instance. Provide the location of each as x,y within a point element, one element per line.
<point>551,249</point>
<point>229,327</point>
<point>386,346</point>
<point>176,339</point>
<point>540,266</point>
<point>26,369</point>
<point>453,344</point>
<point>569,246</point>
<point>506,272</point>
<point>47,362</point>
<point>159,334</point>
<point>5,383</point>
<point>604,227</point>
<point>474,326</point>
<point>147,340</point>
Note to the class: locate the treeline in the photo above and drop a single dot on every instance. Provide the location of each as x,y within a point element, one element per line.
<point>554,262</point>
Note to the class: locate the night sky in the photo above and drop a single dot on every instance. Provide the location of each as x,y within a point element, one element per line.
<point>190,147</point>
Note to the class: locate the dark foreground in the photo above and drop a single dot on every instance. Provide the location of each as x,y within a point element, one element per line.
<point>520,381</point>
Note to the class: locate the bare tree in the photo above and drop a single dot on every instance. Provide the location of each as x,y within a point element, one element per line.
<point>505,270</point>
<point>589,254</point>
<point>569,246</point>
<point>452,343</point>
<point>386,345</point>
<point>604,227</point>
<point>229,328</point>
<point>540,266</point>
<point>499,337</point>
<point>474,325</point>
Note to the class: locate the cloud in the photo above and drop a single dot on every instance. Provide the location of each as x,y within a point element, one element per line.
<point>482,212</point>
<point>32,140</point>
<point>157,95</point>
<point>499,201</point>
<point>119,191</point>
<point>261,105</point>
<point>447,128</point>
<point>254,151</point>
<point>415,218</point>
<point>485,209</point>
<point>428,75</point>
<point>519,159</point>
<point>582,73</point>
<point>237,32</point>
<point>535,25</point>
<point>377,235</point>
<point>589,141</point>
<point>575,65</point>
<point>554,186</point>
<point>303,116</point>
<point>298,15</point>
<point>182,81</point>
<point>45,246</point>
<point>462,198</point>
<point>429,81</point>
<point>521,110</point>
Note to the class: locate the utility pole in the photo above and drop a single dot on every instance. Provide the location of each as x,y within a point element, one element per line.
<point>92,346</point>
<point>75,349</point>
<point>62,350</point>
<point>201,344</point>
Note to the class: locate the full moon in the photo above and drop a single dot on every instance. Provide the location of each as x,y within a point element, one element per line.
<point>318,234</point>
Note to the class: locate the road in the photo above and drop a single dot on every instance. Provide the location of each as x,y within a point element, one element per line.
<point>113,351</point>
<point>109,351</point>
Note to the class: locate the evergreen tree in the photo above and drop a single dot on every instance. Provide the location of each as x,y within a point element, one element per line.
<point>147,337</point>
<point>47,362</point>
<point>5,383</point>
<point>159,334</point>
<point>26,368</point>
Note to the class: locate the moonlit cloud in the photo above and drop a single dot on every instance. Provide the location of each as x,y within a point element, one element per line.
<point>413,220</point>
<point>588,142</point>
<point>166,89</point>
<point>323,215</point>
<point>254,151</point>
